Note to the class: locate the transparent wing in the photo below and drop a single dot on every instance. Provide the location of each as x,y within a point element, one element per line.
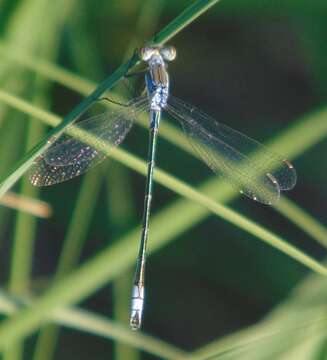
<point>84,144</point>
<point>250,166</point>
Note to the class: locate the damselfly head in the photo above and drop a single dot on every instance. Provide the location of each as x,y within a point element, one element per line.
<point>168,53</point>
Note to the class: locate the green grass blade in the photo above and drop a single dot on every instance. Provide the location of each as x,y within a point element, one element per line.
<point>121,299</point>
<point>301,316</point>
<point>264,338</point>
<point>80,223</point>
<point>121,211</point>
<point>25,227</point>
<point>183,20</point>
<point>70,254</point>
<point>21,265</point>
<point>86,321</point>
<point>83,320</point>
<point>12,131</point>
<point>46,341</point>
<point>303,220</point>
<point>47,69</point>
<point>23,244</point>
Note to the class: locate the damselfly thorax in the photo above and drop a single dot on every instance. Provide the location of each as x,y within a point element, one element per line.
<point>157,78</point>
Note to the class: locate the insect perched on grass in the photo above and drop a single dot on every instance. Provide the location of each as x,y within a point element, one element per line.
<point>261,176</point>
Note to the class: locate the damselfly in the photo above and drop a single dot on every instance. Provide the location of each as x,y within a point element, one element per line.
<point>251,167</point>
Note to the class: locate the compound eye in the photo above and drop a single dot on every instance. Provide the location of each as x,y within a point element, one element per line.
<point>146,53</point>
<point>168,53</point>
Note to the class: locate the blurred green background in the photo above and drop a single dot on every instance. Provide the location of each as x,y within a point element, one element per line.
<point>258,66</point>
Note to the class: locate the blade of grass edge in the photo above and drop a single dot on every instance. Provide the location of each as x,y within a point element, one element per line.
<point>89,322</point>
<point>70,253</point>
<point>121,214</point>
<point>23,244</point>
